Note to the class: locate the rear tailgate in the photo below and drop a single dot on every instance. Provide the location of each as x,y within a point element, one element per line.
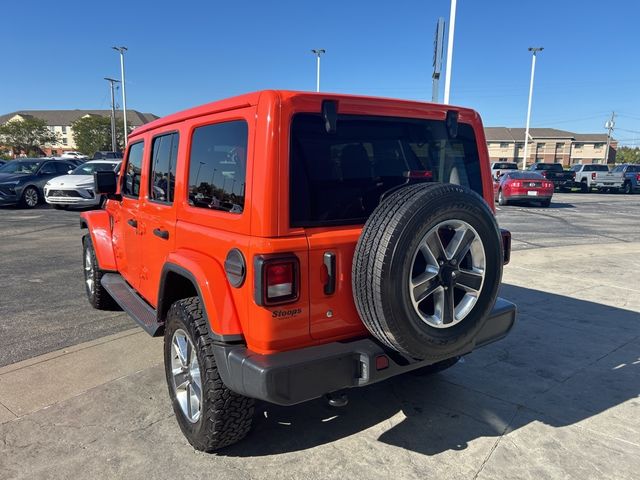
<point>608,179</point>
<point>332,309</point>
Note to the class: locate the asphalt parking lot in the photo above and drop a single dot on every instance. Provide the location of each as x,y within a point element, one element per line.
<point>559,398</point>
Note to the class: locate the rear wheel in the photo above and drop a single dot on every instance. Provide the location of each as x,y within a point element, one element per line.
<point>209,414</point>
<point>546,203</point>
<point>502,199</point>
<point>584,188</point>
<point>426,270</point>
<point>628,189</point>
<point>30,197</point>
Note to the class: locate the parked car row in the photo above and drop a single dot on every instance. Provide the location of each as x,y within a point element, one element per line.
<point>540,180</point>
<point>59,181</point>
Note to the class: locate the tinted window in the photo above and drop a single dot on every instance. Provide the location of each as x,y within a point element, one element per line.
<point>131,185</point>
<point>505,166</point>
<point>48,168</point>
<point>554,167</point>
<point>21,166</point>
<point>163,167</point>
<point>633,169</point>
<point>63,168</point>
<point>217,166</point>
<point>339,178</point>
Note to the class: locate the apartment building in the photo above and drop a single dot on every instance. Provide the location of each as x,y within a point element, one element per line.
<point>548,145</point>
<point>60,122</point>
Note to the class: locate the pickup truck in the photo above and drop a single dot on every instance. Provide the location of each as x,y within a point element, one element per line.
<point>500,168</point>
<point>553,171</point>
<point>623,177</point>
<point>586,175</point>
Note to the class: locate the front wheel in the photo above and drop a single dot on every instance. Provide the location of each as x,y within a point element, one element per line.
<point>30,197</point>
<point>97,295</point>
<point>209,414</point>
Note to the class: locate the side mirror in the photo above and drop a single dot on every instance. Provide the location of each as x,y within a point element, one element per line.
<point>105,183</point>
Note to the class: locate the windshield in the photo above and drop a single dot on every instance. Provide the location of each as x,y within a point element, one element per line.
<point>339,178</point>
<point>556,167</point>
<point>89,168</point>
<point>21,166</point>
<point>505,166</point>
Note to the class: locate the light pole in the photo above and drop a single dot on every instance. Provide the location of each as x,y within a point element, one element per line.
<point>113,114</point>
<point>318,52</point>
<point>447,75</point>
<point>124,92</point>
<point>535,50</point>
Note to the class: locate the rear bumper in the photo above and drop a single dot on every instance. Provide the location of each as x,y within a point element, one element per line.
<point>527,198</point>
<point>296,376</point>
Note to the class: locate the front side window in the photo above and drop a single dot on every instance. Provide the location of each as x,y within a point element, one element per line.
<point>163,167</point>
<point>218,165</point>
<point>131,184</point>
<point>48,168</point>
<point>339,178</point>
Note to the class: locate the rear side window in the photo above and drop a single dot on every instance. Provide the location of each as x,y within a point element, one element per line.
<point>163,167</point>
<point>339,178</point>
<point>131,184</point>
<point>218,165</point>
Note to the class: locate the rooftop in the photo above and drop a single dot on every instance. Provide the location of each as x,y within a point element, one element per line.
<point>507,134</point>
<point>67,117</point>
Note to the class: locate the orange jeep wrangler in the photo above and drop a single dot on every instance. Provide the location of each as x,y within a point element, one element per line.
<point>292,245</point>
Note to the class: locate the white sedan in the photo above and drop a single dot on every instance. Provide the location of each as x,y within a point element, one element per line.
<point>76,188</point>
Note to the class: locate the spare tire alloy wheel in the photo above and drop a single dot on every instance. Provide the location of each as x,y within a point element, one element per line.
<point>445,280</point>
<point>426,270</point>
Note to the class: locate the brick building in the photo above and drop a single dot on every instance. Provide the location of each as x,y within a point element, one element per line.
<point>548,145</point>
<point>60,121</point>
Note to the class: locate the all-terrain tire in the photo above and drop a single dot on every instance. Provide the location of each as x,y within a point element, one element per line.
<point>97,295</point>
<point>225,417</point>
<point>383,263</point>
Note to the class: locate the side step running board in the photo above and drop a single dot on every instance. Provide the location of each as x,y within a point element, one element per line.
<point>132,303</point>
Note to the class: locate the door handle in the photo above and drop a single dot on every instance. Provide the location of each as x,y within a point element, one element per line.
<point>163,234</point>
<point>330,263</point>
<point>133,222</point>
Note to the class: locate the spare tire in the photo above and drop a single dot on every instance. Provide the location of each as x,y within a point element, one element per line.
<point>427,269</point>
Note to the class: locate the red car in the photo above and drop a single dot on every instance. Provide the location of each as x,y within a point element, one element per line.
<point>523,187</point>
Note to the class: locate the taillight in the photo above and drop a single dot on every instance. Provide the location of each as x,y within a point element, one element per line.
<point>277,279</point>
<point>543,173</point>
<point>548,185</point>
<point>637,177</point>
<point>573,175</point>
<point>516,184</point>
<point>593,176</point>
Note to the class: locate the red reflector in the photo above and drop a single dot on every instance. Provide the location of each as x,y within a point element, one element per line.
<point>593,176</point>
<point>382,362</point>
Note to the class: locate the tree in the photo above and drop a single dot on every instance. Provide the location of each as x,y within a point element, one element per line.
<point>628,155</point>
<point>93,133</point>
<point>26,135</point>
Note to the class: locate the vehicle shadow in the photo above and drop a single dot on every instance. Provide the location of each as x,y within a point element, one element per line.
<point>565,361</point>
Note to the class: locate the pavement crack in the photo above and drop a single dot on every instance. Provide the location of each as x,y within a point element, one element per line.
<point>497,442</point>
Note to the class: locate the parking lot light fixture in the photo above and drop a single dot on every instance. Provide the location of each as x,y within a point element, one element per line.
<point>535,50</point>
<point>318,52</point>
<point>124,92</point>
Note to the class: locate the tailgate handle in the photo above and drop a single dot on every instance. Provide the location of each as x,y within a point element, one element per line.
<point>330,263</point>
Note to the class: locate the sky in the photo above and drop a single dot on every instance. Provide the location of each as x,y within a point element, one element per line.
<point>182,54</point>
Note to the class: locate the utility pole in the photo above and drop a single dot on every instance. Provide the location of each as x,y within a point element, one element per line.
<point>114,144</point>
<point>609,125</point>
<point>437,59</point>
<point>535,50</point>
<point>124,93</point>
<point>447,75</point>
<point>318,52</point>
